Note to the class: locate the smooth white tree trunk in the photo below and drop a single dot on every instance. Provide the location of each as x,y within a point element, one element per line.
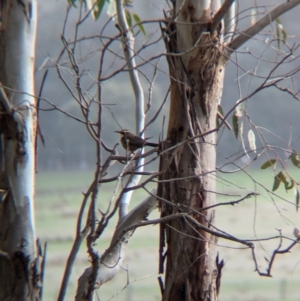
<point>19,271</point>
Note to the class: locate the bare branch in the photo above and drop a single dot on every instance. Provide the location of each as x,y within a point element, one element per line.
<point>159,110</point>
<point>112,258</point>
<point>39,131</point>
<point>80,233</point>
<point>151,82</point>
<point>247,242</point>
<point>220,14</point>
<point>80,236</point>
<point>4,99</point>
<point>231,202</point>
<point>134,156</point>
<point>275,252</point>
<point>261,24</point>
<point>294,95</point>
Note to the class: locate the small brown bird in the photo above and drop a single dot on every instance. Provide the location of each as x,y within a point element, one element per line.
<point>132,142</point>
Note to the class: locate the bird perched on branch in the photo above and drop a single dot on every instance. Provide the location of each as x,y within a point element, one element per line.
<point>132,142</point>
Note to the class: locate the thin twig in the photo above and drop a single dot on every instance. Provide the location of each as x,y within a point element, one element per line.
<point>244,36</point>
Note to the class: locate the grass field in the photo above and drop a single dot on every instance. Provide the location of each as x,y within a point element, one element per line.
<point>58,199</point>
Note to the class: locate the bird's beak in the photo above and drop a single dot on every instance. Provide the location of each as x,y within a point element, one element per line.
<point>117,132</point>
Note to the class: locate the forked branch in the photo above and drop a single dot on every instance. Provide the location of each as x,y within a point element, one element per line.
<point>112,258</point>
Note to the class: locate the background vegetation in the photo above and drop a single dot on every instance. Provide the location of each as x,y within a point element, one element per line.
<point>67,143</point>
<point>57,203</point>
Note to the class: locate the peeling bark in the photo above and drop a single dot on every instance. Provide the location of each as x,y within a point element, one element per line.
<point>19,268</point>
<point>196,88</point>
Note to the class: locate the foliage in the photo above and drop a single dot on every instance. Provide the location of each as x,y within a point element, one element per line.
<point>280,32</point>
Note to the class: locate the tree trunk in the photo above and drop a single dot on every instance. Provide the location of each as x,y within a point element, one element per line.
<point>19,267</point>
<point>196,88</point>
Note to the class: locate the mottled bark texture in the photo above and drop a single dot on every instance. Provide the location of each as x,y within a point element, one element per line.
<point>19,262</point>
<point>191,269</point>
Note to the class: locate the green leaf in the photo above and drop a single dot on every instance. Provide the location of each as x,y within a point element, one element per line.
<point>297,199</point>
<point>72,2</point>
<point>277,181</point>
<point>278,31</point>
<point>128,18</point>
<point>220,109</point>
<point>137,20</point>
<point>280,177</point>
<point>286,183</point>
<point>284,34</point>
<point>268,163</point>
<point>281,33</point>
<point>98,8</point>
<point>235,124</point>
<point>295,159</point>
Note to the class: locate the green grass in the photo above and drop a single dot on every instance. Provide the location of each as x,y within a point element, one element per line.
<point>58,199</point>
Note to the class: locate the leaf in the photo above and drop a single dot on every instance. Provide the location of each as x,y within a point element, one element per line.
<point>253,14</point>
<point>235,124</point>
<point>281,33</point>
<point>278,31</point>
<point>251,140</point>
<point>128,18</point>
<point>284,34</point>
<point>72,2</point>
<point>220,110</point>
<point>111,10</point>
<point>98,8</point>
<point>268,163</point>
<point>295,159</point>
<point>277,181</point>
<point>292,185</point>
<point>138,20</point>
<point>286,184</point>
<point>239,110</point>
<point>280,177</point>
<point>297,199</point>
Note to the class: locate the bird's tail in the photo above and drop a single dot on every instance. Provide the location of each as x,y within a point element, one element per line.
<point>151,144</point>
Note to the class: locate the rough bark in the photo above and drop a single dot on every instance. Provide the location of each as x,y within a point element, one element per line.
<point>19,265</point>
<point>196,88</point>
<point>196,61</point>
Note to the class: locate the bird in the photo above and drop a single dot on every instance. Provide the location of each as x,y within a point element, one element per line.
<point>132,142</point>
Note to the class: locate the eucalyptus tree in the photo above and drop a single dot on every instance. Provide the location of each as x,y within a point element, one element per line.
<point>19,260</point>
<point>200,37</point>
